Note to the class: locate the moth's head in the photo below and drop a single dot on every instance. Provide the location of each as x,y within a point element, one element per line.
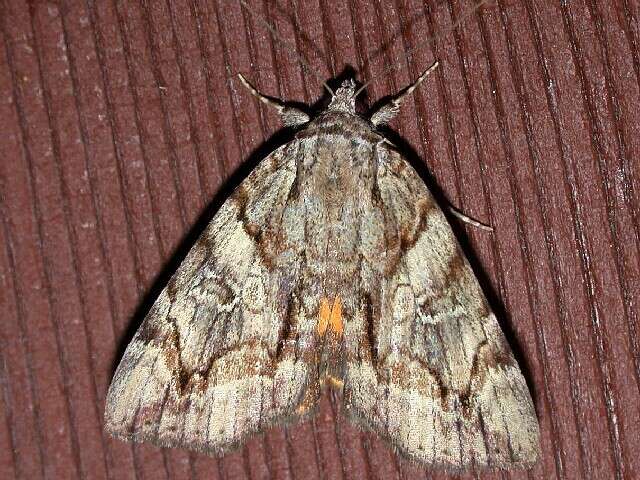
<point>344,99</point>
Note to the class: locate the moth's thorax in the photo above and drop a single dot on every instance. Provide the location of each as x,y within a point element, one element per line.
<point>335,184</point>
<point>343,146</point>
<point>341,125</point>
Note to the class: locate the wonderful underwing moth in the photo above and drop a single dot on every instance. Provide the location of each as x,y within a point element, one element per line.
<point>332,266</point>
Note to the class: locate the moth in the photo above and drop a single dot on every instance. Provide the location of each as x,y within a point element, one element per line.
<point>330,265</point>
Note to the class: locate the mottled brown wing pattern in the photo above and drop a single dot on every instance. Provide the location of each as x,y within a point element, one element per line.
<point>330,264</point>
<point>223,353</point>
<point>427,365</point>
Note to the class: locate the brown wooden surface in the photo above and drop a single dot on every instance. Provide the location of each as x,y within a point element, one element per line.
<point>123,129</point>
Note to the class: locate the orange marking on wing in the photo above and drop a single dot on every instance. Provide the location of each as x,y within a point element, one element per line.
<point>324,315</point>
<point>335,321</point>
<point>335,382</point>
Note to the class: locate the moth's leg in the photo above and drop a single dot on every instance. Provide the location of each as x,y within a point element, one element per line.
<point>469,220</point>
<point>290,116</point>
<point>389,110</point>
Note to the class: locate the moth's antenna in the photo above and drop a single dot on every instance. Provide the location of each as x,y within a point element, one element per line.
<point>429,39</point>
<point>287,45</point>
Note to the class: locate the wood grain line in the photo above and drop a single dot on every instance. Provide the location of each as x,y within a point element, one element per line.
<point>571,197</point>
<point>187,96</point>
<point>36,210</point>
<point>168,134</point>
<point>617,116</point>
<point>596,135</point>
<point>603,362</point>
<point>74,241</point>
<point>23,339</point>
<point>132,86</point>
<point>116,141</point>
<point>525,248</point>
<point>211,103</point>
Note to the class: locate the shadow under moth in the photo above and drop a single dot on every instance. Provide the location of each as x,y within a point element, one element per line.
<point>330,265</point>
